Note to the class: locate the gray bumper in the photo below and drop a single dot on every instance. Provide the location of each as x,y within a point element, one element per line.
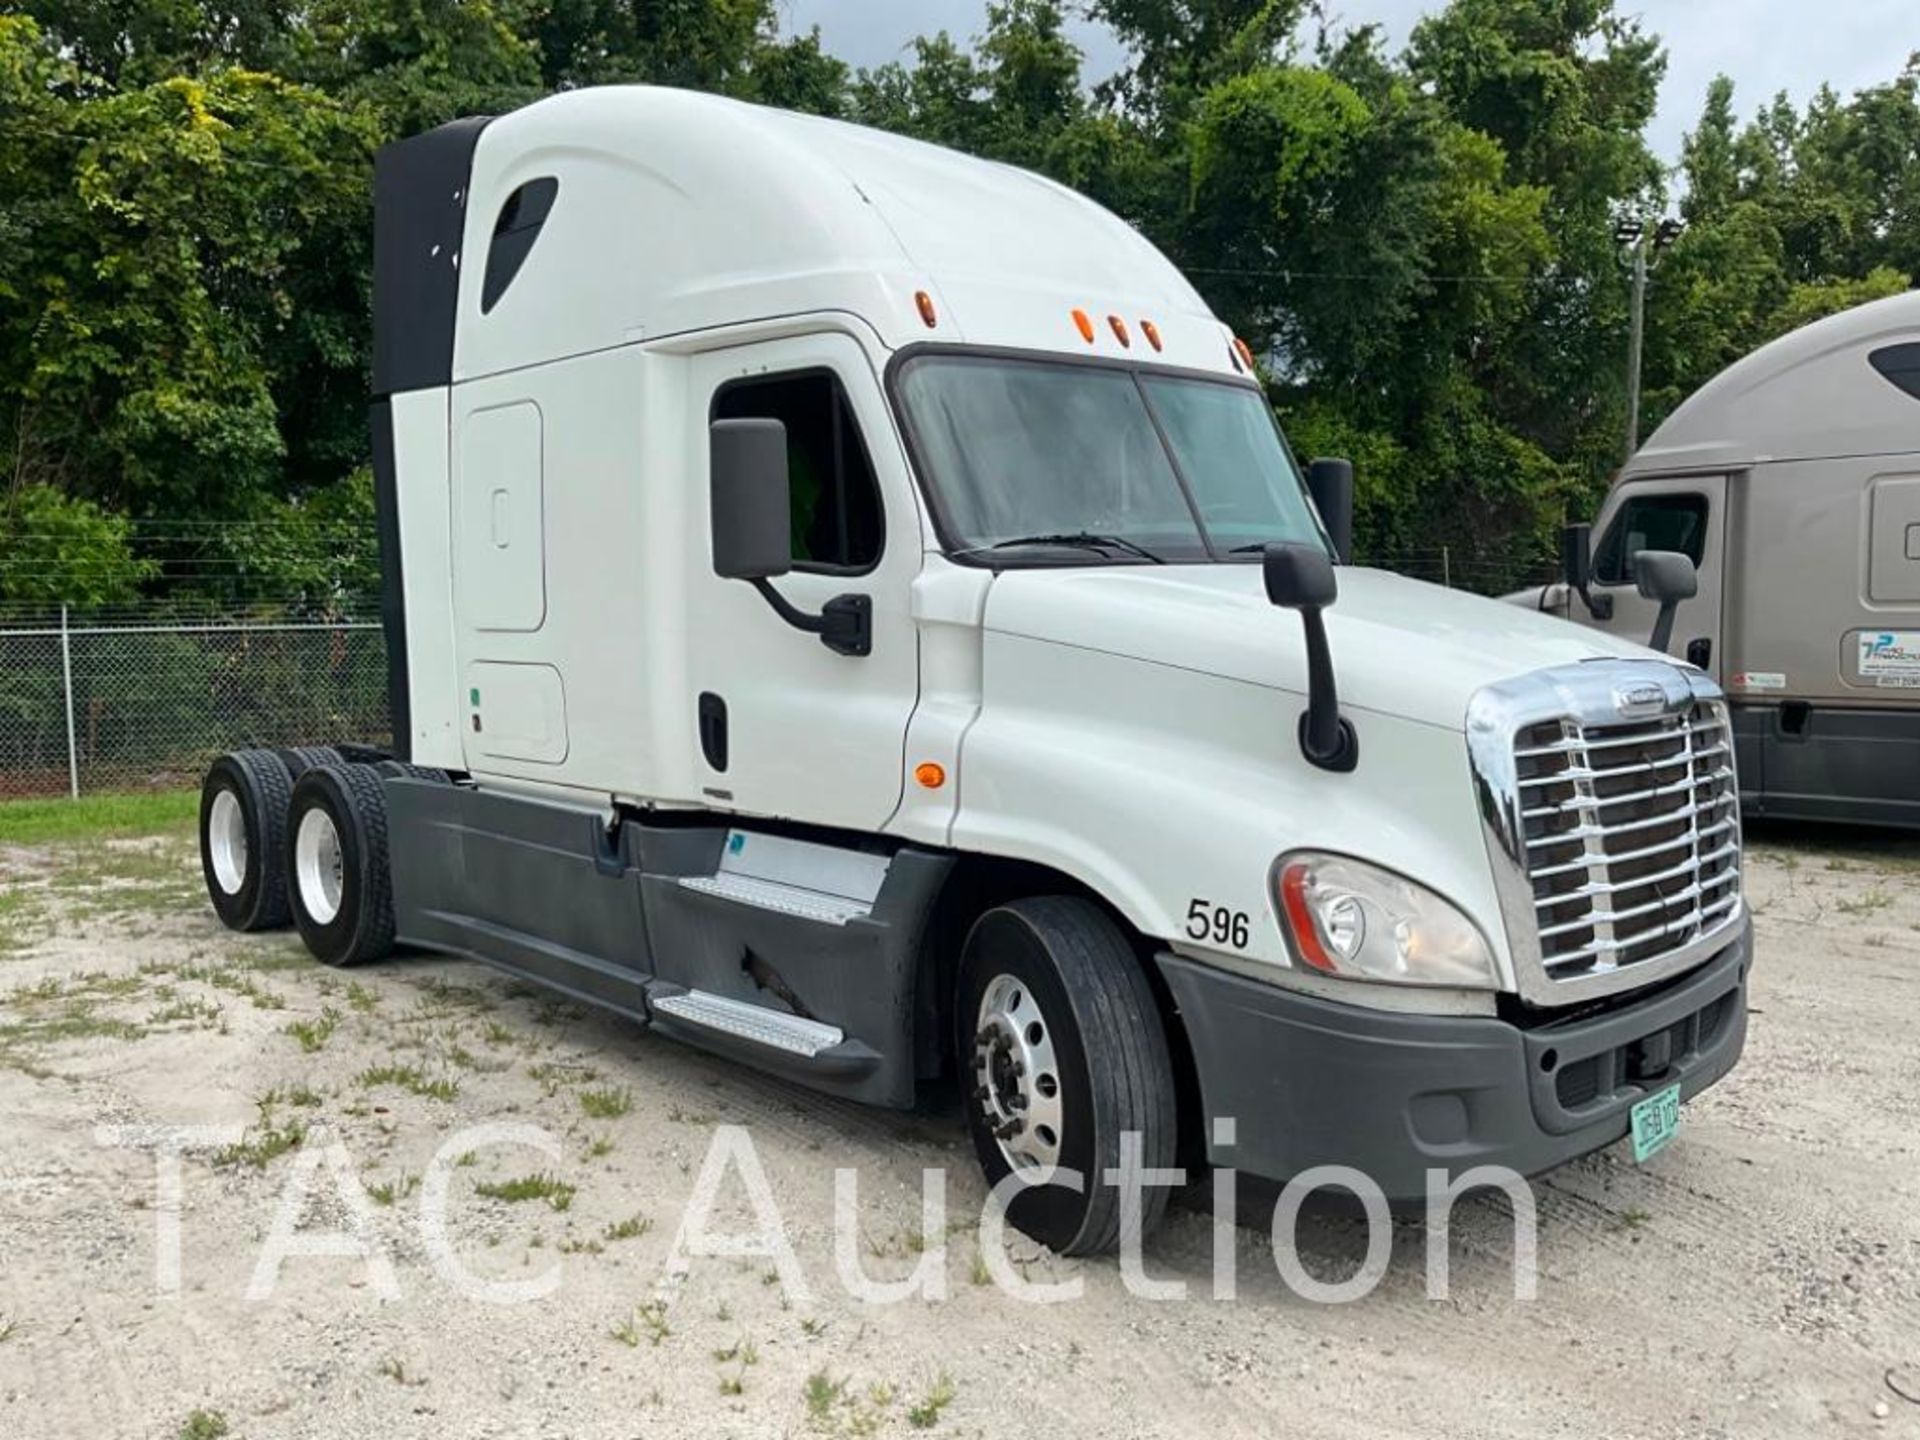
<point>1311,1082</point>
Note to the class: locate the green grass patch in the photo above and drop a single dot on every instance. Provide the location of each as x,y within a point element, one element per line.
<point>94,817</point>
<point>205,1425</point>
<point>260,1148</point>
<point>541,1186</point>
<point>314,1034</point>
<point>410,1078</point>
<point>631,1228</point>
<point>606,1104</point>
<point>926,1414</point>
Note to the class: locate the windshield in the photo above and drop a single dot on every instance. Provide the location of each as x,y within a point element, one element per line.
<point>1100,462</point>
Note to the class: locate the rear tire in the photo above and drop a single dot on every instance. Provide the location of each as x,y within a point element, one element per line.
<point>403,770</point>
<point>243,818</point>
<point>301,758</point>
<point>1063,1052</point>
<point>337,878</point>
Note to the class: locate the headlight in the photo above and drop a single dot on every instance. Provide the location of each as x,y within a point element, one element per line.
<point>1348,918</point>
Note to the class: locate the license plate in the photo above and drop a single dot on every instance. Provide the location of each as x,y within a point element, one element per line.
<point>1656,1120</point>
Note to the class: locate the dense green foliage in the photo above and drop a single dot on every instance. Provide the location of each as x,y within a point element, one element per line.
<point>1420,244</point>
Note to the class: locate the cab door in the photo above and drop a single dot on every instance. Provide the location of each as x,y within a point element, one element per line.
<point>784,725</point>
<point>1687,514</point>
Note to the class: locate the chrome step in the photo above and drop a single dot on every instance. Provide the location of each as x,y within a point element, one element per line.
<point>795,900</point>
<point>771,1028</point>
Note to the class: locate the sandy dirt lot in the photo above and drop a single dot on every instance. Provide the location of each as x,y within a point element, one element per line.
<point>1760,1278</point>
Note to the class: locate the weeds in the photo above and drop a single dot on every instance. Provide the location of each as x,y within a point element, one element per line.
<point>314,1034</point>
<point>607,1103</point>
<point>540,1186</point>
<point>257,1151</point>
<point>205,1425</point>
<point>648,1322</point>
<point>1875,899</point>
<point>631,1228</point>
<point>926,1414</point>
<point>410,1078</point>
<point>389,1191</point>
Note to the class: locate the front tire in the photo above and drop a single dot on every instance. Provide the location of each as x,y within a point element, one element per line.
<point>243,818</point>
<point>1063,1053</point>
<point>337,875</point>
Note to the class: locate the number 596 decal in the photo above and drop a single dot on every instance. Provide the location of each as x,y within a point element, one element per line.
<point>1207,921</point>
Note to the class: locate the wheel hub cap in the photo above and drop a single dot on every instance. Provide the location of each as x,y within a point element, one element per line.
<point>1016,1075</point>
<point>227,842</point>
<point>318,866</point>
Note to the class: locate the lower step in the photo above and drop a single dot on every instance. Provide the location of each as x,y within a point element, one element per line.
<point>795,1035</point>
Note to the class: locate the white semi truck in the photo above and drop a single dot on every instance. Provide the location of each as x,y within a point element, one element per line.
<point>850,607</point>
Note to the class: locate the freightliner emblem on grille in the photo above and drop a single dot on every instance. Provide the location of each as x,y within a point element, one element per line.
<point>1632,702</point>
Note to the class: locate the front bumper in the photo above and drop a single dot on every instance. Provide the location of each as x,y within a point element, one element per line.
<point>1312,1082</point>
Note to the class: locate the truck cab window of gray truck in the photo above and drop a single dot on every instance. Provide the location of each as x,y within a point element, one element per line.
<point>1138,466</point>
<point>834,496</point>
<point>1651,522</point>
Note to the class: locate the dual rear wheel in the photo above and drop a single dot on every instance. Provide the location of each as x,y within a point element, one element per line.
<point>301,836</point>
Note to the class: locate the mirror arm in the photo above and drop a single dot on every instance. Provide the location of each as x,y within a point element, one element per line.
<point>1600,607</point>
<point>844,624</point>
<point>1327,737</point>
<point>1663,626</point>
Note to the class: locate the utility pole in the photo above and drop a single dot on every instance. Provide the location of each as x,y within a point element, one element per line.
<point>1636,337</point>
<point>1634,233</point>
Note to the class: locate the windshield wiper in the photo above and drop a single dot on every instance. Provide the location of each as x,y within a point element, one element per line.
<point>1252,548</point>
<point>1078,540</point>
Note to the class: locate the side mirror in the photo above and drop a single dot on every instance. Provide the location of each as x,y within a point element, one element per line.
<point>750,501</point>
<point>1330,483</point>
<point>1576,567</point>
<point>1300,577</point>
<point>1665,577</point>
<point>750,507</point>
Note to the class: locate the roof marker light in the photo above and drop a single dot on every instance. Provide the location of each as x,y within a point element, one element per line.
<point>1246,355</point>
<point>925,301</point>
<point>1085,323</point>
<point>1152,332</point>
<point>1120,332</point>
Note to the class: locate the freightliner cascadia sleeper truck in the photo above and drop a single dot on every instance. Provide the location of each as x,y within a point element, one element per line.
<point>850,608</point>
<point>1792,480</point>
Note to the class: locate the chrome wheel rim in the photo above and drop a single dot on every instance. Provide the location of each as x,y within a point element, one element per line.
<point>227,842</point>
<point>1016,1075</point>
<point>318,866</point>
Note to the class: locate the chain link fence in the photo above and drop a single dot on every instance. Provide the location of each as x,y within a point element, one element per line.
<point>91,705</point>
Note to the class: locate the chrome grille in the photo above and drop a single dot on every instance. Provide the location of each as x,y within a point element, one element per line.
<point>1612,808</point>
<point>1632,834</point>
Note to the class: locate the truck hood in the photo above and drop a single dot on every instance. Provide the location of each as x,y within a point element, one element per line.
<point>1400,647</point>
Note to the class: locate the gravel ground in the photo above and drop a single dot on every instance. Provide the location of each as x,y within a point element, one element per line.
<point>1762,1277</point>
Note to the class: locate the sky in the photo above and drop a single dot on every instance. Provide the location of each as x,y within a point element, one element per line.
<point>1765,45</point>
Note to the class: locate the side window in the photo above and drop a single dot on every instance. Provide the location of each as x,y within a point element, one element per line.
<point>1651,522</point>
<point>515,229</point>
<point>1901,365</point>
<point>836,499</point>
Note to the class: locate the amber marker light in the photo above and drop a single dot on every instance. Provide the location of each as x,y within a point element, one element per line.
<point>1084,323</point>
<point>1246,355</point>
<point>1120,332</point>
<point>930,775</point>
<point>925,301</point>
<point>1152,332</point>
